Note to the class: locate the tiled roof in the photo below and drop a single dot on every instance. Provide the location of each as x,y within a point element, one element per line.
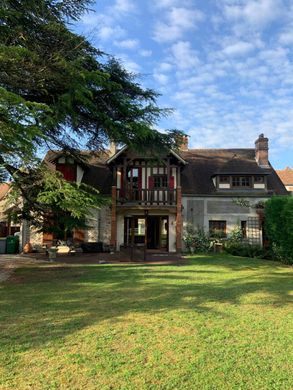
<point>286,175</point>
<point>204,164</point>
<point>197,175</point>
<point>4,188</point>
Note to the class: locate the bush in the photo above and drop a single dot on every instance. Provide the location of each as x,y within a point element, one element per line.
<point>196,240</point>
<point>235,235</point>
<point>244,250</point>
<point>279,227</point>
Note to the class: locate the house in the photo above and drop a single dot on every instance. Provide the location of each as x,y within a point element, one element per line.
<point>286,175</point>
<point>152,201</point>
<point>7,227</point>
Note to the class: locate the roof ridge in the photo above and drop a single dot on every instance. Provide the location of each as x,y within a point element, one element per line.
<point>212,149</point>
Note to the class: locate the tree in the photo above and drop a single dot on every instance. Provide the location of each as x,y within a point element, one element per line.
<point>58,91</point>
<point>279,226</point>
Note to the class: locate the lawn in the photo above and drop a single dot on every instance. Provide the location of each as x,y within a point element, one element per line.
<point>219,322</point>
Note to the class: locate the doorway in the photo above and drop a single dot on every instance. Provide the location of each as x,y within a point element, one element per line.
<point>151,231</point>
<point>157,232</point>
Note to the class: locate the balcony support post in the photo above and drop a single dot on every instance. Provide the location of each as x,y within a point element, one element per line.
<point>113,240</point>
<point>178,219</point>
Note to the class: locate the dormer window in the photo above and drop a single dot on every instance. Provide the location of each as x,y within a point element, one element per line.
<point>67,166</point>
<point>241,181</point>
<point>226,182</point>
<point>224,179</point>
<point>259,179</point>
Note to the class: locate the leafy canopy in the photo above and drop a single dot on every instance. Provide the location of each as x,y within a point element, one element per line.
<point>58,91</point>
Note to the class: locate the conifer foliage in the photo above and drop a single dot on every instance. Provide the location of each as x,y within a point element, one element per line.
<point>58,91</point>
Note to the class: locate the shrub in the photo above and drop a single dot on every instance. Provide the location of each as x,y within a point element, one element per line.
<point>279,227</point>
<point>196,240</point>
<point>244,250</point>
<point>235,235</point>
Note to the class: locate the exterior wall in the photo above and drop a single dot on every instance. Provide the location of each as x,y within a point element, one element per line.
<point>79,174</point>
<point>35,238</point>
<point>198,211</point>
<point>120,231</point>
<point>99,229</point>
<point>100,226</point>
<point>172,233</point>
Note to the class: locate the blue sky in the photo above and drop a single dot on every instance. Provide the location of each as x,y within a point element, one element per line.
<point>225,66</point>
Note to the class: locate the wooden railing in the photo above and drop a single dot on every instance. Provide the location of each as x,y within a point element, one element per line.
<point>147,197</point>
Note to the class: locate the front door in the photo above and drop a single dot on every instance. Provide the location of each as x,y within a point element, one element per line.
<point>157,232</point>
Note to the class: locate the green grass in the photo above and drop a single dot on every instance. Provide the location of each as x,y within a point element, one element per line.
<point>219,322</point>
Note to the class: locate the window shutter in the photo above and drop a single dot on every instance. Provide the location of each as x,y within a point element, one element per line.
<point>68,171</point>
<point>171,182</point>
<point>151,182</point>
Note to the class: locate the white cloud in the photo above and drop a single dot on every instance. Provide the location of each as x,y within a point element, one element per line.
<point>127,44</point>
<point>161,78</point>
<point>238,48</point>
<point>165,67</point>
<point>178,21</point>
<point>184,56</point>
<point>128,63</point>
<point>108,32</point>
<point>124,6</point>
<point>145,53</point>
<point>286,37</point>
<point>256,13</point>
<point>169,3</point>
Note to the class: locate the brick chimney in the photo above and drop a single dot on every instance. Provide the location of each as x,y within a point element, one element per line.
<point>184,144</point>
<point>262,151</point>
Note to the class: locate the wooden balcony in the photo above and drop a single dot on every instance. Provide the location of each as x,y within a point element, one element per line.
<point>154,197</point>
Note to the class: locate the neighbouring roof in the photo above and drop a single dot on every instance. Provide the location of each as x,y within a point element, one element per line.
<point>286,175</point>
<point>204,164</point>
<point>4,188</point>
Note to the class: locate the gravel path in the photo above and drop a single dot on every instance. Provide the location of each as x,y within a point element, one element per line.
<point>8,263</point>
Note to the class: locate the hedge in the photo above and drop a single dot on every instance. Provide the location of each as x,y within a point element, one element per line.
<point>279,227</point>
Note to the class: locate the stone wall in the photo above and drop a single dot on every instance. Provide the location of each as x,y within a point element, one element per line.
<point>100,225</point>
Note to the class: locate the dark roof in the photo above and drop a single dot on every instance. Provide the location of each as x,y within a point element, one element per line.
<point>204,164</point>
<point>96,171</point>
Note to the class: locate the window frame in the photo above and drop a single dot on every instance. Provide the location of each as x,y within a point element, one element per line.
<point>222,227</point>
<point>226,181</point>
<point>241,181</point>
<point>243,227</point>
<point>259,179</point>
<point>162,177</point>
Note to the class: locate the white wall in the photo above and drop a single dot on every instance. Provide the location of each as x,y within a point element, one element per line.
<point>232,218</point>
<point>79,174</point>
<point>172,233</point>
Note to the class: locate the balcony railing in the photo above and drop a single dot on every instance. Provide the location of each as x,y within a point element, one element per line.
<point>146,196</point>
